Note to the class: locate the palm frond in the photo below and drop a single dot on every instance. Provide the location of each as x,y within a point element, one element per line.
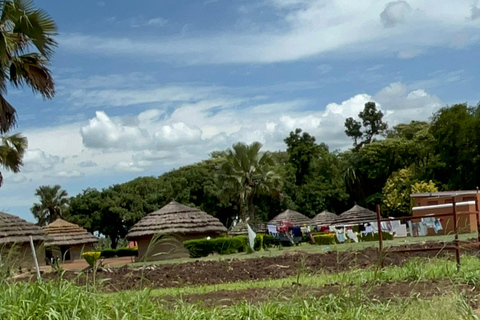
<point>8,115</point>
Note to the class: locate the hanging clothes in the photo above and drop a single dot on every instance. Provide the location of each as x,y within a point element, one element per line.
<point>429,222</point>
<point>272,229</point>
<point>438,225</point>
<point>352,235</point>
<point>422,229</point>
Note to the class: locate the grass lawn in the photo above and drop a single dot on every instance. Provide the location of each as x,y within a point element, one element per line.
<point>309,248</point>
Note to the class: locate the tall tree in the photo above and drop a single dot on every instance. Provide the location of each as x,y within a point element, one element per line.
<point>247,172</point>
<point>26,46</point>
<point>12,149</point>
<point>372,124</point>
<point>53,204</point>
<point>301,149</point>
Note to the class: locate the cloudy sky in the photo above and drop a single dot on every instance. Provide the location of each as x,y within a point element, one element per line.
<point>144,87</point>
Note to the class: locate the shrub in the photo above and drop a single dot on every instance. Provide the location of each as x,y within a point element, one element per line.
<point>91,257</point>
<point>203,247</point>
<point>270,241</point>
<point>374,237</point>
<point>325,238</point>
<point>121,252</point>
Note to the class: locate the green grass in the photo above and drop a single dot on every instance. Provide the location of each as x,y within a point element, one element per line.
<point>309,248</point>
<point>65,300</point>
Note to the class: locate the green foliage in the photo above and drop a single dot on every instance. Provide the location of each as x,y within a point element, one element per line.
<point>203,247</point>
<point>424,186</point>
<point>12,149</point>
<point>247,172</point>
<point>53,204</point>
<point>372,123</point>
<point>121,252</point>
<point>374,237</point>
<point>325,239</point>
<point>91,257</point>
<point>396,193</point>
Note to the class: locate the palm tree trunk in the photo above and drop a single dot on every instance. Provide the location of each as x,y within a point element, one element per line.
<point>250,207</point>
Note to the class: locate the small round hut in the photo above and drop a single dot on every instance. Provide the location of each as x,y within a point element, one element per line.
<point>168,228</point>
<point>241,227</point>
<point>325,218</point>
<point>298,219</point>
<point>15,241</point>
<point>67,240</point>
<point>355,216</point>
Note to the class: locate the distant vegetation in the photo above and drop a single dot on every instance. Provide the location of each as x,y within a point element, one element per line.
<point>384,166</point>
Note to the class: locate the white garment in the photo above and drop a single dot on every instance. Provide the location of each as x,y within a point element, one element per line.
<point>251,237</point>
<point>272,229</point>
<point>395,225</point>
<point>352,235</point>
<point>401,231</point>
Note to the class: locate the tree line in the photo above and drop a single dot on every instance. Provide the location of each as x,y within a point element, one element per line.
<point>385,165</point>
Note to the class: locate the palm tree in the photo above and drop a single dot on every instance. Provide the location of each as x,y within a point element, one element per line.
<point>53,204</point>
<point>247,172</point>
<point>26,45</point>
<point>12,149</point>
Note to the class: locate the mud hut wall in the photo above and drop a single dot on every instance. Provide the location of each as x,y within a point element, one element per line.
<point>20,254</point>
<point>77,250</point>
<point>163,250</point>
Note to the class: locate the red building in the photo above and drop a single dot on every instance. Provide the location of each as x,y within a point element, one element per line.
<point>441,202</point>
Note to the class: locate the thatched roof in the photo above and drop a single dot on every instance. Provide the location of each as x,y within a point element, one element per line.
<point>325,218</point>
<point>16,230</point>
<point>241,227</point>
<point>63,233</point>
<point>295,217</point>
<point>356,215</point>
<point>176,218</point>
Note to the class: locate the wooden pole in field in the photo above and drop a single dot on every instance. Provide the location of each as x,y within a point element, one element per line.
<point>477,215</point>
<point>455,227</point>
<point>34,253</point>
<point>380,237</point>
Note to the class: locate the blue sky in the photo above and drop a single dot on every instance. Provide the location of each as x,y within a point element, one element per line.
<point>146,87</point>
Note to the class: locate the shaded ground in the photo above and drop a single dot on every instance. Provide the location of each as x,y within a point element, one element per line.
<point>381,292</point>
<point>233,270</point>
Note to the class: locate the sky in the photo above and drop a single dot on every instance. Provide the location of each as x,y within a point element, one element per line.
<point>146,87</point>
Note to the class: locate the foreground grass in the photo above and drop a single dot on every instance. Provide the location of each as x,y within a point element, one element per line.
<point>63,300</point>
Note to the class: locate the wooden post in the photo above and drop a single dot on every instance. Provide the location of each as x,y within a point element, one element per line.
<point>477,215</point>
<point>380,237</point>
<point>34,253</point>
<point>455,227</point>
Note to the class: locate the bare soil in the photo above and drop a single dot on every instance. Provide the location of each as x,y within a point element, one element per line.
<point>233,270</point>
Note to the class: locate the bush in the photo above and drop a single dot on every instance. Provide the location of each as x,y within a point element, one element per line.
<point>91,257</point>
<point>121,252</point>
<point>270,241</point>
<point>203,247</point>
<point>374,237</point>
<point>325,238</point>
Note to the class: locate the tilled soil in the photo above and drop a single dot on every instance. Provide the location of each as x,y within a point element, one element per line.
<point>233,270</point>
<point>380,292</point>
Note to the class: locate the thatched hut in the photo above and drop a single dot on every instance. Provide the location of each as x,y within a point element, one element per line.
<point>325,218</point>
<point>241,227</point>
<point>168,228</point>
<point>356,215</point>
<point>67,240</point>
<point>15,241</point>
<point>298,219</point>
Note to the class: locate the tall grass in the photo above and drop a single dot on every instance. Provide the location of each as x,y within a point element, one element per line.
<point>63,300</point>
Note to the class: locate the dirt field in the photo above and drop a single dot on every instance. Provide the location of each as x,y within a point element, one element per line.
<point>233,270</point>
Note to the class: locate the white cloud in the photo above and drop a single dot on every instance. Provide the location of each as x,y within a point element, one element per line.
<point>304,29</point>
<point>395,12</point>
<point>104,133</point>
<point>67,174</point>
<point>36,160</point>
<point>158,22</point>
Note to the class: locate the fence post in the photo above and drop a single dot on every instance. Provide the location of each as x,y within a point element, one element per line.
<point>34,254</point>
<point>380,236</point>
<point>477,215</point>
<point>455,227</point>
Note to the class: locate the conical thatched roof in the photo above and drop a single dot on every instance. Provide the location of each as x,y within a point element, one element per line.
<point>241,227</point>
<point>356,215</point>
<point>295,217</point>
<point>325,218</point>
<point>175,218</point>
<point>63,233</point>
<point>16,230</point>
